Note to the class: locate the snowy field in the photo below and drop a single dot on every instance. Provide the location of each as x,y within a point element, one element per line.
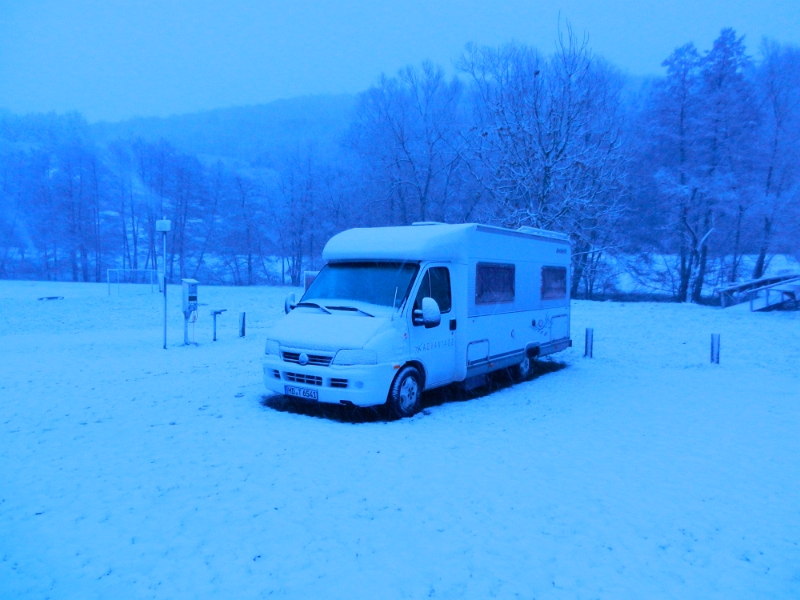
<point>129,471</point>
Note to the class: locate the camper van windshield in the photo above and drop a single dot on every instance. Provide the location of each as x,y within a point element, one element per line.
<point>370,282</point>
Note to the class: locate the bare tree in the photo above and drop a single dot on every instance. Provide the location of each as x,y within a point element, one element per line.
<point>407,131</point>
<point>547,147</point>
<point>778,85</point>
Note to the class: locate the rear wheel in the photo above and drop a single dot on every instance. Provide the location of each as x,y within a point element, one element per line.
<point>404,395</point>
<point>522,371</point>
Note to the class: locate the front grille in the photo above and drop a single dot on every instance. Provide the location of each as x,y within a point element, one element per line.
<point>302,378</point>
<point>318,360</point>
<point>338,383</point>
<point>276,373</point>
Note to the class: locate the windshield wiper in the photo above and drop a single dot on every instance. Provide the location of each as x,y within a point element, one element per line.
<point>314,305</point>
<point>351,308</point>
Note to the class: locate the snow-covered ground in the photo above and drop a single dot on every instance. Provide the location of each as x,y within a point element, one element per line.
<point>128,471</point>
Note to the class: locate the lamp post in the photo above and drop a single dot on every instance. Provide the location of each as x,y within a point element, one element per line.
<point>164,226</point>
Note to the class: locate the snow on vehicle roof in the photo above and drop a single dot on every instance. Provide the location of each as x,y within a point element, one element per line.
<point>423,241</point>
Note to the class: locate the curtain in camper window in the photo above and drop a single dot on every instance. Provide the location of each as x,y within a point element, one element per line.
<point>554,283</point>
<point>494,283</point>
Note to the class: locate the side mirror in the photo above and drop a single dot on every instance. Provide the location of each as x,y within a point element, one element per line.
<point>431,315</point>
<point>289,303</point>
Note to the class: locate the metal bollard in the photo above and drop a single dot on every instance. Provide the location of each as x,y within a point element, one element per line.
<point>714,348</point>
<point>214,313</point>
<point>589,347</point>
<point>241,324</point>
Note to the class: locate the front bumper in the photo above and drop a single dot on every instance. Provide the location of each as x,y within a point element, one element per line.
<point>362,385</point>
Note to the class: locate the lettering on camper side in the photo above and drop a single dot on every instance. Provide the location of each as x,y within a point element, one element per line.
<point>427,346</point>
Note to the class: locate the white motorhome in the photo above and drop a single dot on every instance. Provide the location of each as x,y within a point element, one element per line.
<point>398,310</point>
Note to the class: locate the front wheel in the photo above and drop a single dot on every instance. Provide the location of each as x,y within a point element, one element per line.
<point>404,395</point>
<point>522,371</point>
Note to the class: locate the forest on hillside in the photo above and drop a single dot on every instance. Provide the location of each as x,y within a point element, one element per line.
<point>683,182</point>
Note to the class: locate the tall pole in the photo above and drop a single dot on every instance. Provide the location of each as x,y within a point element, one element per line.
<point>164,236</point>
<point>164,226</point>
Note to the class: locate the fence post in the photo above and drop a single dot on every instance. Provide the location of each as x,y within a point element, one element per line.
<point>241,324</point>
<point>714,348</point>
<point>589,346</point>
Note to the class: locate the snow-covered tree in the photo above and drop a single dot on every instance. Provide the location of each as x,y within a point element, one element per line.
<point>546,148</point>
<point>777,207</point>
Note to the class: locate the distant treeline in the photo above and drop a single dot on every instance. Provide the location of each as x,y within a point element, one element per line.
<point>692,170</point>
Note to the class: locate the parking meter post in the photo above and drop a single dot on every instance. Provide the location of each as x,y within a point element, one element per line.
<point>189,305</point>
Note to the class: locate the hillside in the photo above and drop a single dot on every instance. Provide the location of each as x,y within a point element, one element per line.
<point>245,133</point>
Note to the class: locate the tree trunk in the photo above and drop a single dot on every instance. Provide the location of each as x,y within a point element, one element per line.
<point>758,270</point>
<point>687,256</point>
<point>84,262</point>
<point>577,275</point>
<point>685,274</point>
<point>697,290</point>
<point>737,245</point>
<point>73,257</point>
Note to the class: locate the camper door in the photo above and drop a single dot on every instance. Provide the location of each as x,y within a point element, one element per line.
<point>434,347</point>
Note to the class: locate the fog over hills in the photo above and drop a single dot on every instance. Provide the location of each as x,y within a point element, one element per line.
<point>256,134</point>
<point>251,134</point>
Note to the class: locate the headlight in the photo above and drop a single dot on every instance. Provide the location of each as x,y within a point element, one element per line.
<point>273,347</point>
<point>355,357</point>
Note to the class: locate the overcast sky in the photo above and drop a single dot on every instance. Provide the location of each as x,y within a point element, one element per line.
<point>114,59</point>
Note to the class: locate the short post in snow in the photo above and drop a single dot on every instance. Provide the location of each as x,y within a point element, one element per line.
<point>589,346</point>
<point>241,324</point>
<point>214,314</point>
<point>714,348</point>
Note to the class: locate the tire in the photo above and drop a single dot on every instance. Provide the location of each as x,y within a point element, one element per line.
<point>522,371</point>
<point>404,395</point>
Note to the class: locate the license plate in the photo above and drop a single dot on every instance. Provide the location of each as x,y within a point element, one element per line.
<point>299,392</point>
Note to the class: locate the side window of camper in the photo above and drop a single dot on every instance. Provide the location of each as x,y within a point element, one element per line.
<point>435,284</point>
<point>494,283</point>
<point>554,283</point>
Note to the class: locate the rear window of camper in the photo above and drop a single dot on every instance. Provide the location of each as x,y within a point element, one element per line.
<point>494,283</point>
<point>554,283</point>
